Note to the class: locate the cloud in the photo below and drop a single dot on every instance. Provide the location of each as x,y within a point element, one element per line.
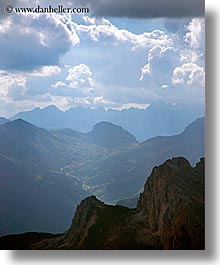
<point>189,74</point>
<point>78,82</point>
<point>158,70</point>
<point>58,84</point>
<point>104,62</point>
<point>102,30</point>
<point>196,33</point>
<point>132,105</point>
<point>80,76</point>
<point>182,63</point>
<point>30,41</point>
<point>46,71</point>
<point>13,86</point>
<point>164,86</point>
<point>146,8</point>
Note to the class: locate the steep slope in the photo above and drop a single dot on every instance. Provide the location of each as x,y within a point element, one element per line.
<point>157,119</point>
<point>123,174</point>
<point>173,203</point>
<point>33,189</point>
<point>66,166</point>
<point>32,198</point>
<point>109,135</point>
<point>169,215</point>
<point>36,185</point>
<point>25,142</point>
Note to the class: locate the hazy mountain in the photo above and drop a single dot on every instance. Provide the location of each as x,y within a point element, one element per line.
<point>3,120</point>
<point>35,183</point>
<point>109,135</point>
<point>33,189</point>
<point>32,198</point>
<point>157,119</point>
<point>169,215</point>
<point>64,166</point>
<point>122,174</point>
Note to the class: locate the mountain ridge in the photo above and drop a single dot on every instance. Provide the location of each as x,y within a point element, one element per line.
<point>165,217</point>
<point>132,165</point>
<point>3,120</point>
<point>70,167</point>
<point>157,119</point>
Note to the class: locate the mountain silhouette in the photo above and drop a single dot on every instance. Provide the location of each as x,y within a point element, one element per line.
<point>157,119</point>
<point>109,135</point>
<point>169,215</point>
<point>3,120</point>
<point>49,172</point>
<point>128,168</point>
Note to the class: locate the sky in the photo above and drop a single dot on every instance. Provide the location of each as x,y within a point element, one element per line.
<point>122,54</point>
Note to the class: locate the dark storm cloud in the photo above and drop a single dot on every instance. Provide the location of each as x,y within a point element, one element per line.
<point>146,8</point>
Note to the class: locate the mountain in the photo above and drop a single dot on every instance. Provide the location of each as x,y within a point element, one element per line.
<point>33,189</point>
<point>157,119</point>
<point>122,174</point>
<point>32,198</point>
<point>3,120</point>
<point>109,135</point>
<point>34,168</point>
<point>169,215</point>
<point>43,118</point>
<point>65,166</point>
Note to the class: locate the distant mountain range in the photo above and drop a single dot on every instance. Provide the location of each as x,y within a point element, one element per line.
<point>122,174</point>
<point>45,174</point>
<point>169,215</point>
<point>158,119</point>
<point>3,120</point>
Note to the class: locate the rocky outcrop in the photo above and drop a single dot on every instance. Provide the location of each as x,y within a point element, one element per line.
<point>172,204</point>
<point>169,215</point>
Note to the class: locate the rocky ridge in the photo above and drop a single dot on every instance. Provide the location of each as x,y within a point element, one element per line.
<point>169,215</point>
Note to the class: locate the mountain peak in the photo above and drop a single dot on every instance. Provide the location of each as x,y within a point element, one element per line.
<point>3,120</point>
<point>110,135</point>
<point>84,218</point>
<point>180,162</point>
<point>51,108</point>
<point>107,126</point>
<point>169,215</point>
<point>19,122</point>
<point>197,126</point>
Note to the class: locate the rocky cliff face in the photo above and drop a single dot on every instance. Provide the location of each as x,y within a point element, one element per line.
<point>169,215</point>
<point>172,204</point>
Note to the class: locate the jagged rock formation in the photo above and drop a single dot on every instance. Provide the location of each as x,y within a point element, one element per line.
<point>169,215</point>
<point>173,204</point>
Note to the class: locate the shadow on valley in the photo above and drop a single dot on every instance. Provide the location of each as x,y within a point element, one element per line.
<point>169,215</point>
<point>45,174</point>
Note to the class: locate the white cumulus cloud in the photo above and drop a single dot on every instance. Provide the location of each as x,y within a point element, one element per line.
<point>80,77</point>
<point>190,74</point>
